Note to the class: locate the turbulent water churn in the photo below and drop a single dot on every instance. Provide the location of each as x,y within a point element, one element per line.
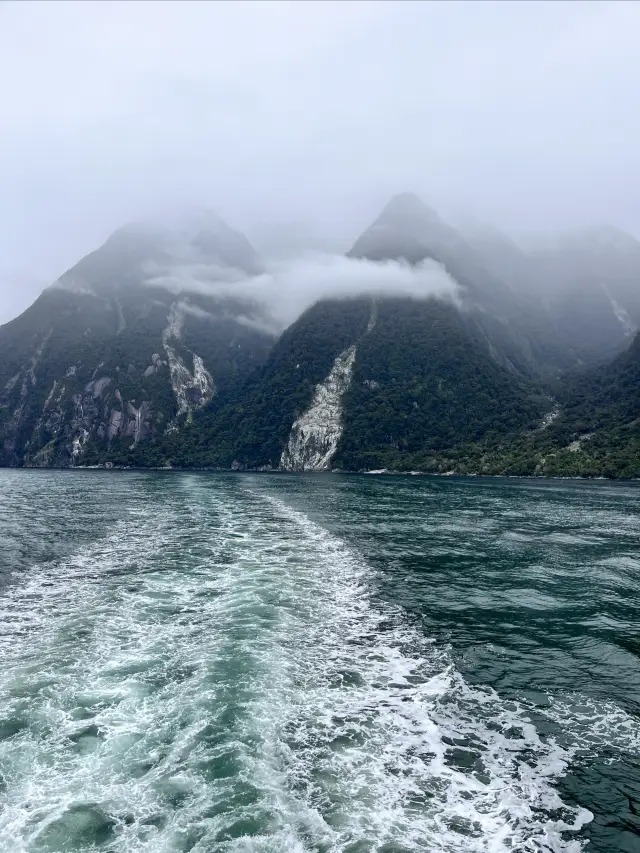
<point>215,663</point>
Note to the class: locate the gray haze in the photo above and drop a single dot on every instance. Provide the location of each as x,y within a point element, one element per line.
<point>297,121</point>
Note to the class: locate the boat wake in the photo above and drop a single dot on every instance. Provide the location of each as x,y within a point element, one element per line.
<point>219,675</point>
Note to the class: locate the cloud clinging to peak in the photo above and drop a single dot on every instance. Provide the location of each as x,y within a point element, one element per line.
<point>288,288</point>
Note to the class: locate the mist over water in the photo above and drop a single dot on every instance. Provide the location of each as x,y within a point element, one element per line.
<point>255,663</point>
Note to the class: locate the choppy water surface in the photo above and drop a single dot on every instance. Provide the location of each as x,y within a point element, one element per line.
<point>196,662</point>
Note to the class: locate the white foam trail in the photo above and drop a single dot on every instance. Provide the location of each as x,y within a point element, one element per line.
<point>404,715</point>
<point>215,675</point>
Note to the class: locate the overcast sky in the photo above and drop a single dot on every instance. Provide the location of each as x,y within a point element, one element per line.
<point>308,115</point>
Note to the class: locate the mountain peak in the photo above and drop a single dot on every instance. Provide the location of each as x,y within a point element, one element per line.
<point>187,221</point>
<point>406,228</point>
<point>179,225</point>
<point>181,239</point>
<point>407,210</point>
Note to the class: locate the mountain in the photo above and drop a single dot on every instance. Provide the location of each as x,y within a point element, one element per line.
<point>150,353</point>
<point>359,384</point>
<point>408,229</point>
<point>590,282</point>
<point>128,343</point>
<point>492,272</point>
<point>582,289</point>
<point>376,383</point>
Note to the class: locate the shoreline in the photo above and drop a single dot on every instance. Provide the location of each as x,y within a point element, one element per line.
<point>371,473</point>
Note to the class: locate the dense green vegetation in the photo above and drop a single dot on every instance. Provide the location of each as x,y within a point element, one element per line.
<point>424,382</point>
<point>252,426</point>
<point>425,396</point>
<point>597,432</point>
<point>249,424</point>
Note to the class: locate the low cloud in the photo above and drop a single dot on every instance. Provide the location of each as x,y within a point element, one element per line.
<point>285,290</point>
<point>256,319</point>
<point>186,307</point>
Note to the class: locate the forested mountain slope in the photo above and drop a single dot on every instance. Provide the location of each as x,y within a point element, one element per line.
<point>114,352</point>
<point>377,382</point>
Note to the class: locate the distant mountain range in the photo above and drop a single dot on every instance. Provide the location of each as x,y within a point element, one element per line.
<point>150,352</point>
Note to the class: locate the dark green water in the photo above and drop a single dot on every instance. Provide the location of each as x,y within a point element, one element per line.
<point>281,664</point>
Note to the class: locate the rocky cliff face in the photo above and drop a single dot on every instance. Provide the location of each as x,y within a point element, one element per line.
<point>191,387</point>
<point>114,353</point>
<point>315,434</point>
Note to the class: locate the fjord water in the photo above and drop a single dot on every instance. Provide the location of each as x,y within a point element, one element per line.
<point>274,663</point>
